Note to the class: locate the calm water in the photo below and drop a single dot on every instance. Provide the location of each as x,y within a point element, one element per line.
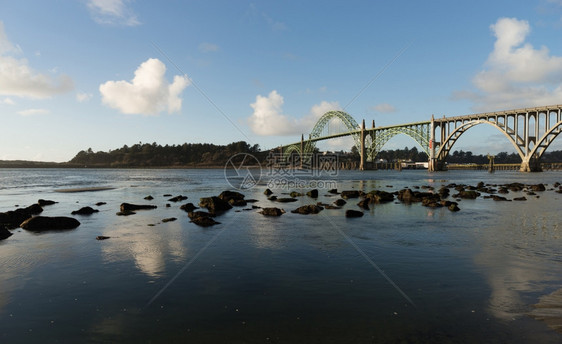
<point>402,273</point>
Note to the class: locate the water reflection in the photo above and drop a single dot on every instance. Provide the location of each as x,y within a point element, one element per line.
<point>515,257</point>
<point>149,247</point>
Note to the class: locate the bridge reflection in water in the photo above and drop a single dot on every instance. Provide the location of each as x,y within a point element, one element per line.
<point>530,131</point>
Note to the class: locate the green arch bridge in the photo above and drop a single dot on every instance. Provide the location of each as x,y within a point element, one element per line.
<point>530,131</point>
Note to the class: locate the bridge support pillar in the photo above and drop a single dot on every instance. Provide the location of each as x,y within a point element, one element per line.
<point>302,149</point>
<point>362,140</point>
<point>530,165</point>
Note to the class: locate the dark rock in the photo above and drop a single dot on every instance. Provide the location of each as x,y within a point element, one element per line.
<point>214,204</point>
<point>202,218</point>
<point>132,207</point>
<point>125,213</point>
<point>520,198</point>
<point>378,196</point>
<point>149,198</point>
<point>308,209</point>
<point>178,198</point>
<point>272,198</point>
<point>251,200</point>
<point>168,205</point>
<point>272,212</point>
<point>499,198</point>
<point>515,187</point>
<point>353,213</point>
<point>44,202</point>
<point>195,214</point>
<point>296,194</point>
<point>85,211</point>
<point>453,207</point>
<point>538,187</point>
<point>407,196</point>
<point>468,194</point>
<point>204,221</point>
<point>167,195</point>
<point>231,195</point>
<point>444,192</point>
<point>364,203</point>
<point>312,193</point>
<point>459,187</point>
<point>286,199</point>
<point>169,219</point>
<point>43,223</point>
<point>333,191</point>
<point>100,203</point>
<point>4,233</point>
<point>189,207</point>
<point>350,194</point>
<point>256,207</point>
<point>340,202</point>
<point>13,218</point>
<point>432,202</point>
<point>267,192</point>
<point>503,190</point>
<point>102,237</point>
<point>238,202</point>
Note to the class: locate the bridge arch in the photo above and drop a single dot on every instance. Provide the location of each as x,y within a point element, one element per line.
<point>290,150</point>
<point>449,142</point>
<point>323,121</point>
<point>545,141</point>
<point>419,133</point>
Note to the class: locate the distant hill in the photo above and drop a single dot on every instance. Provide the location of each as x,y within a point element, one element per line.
<point>30,164</point>
<point>154,155</point>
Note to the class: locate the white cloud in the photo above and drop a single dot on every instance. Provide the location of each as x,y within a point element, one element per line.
<point>33,112</point>
<point>148,93</point>
<point>18,79</point>
<point>7,101</point>
<point>384,108</point>
<point>83,97</point>
<point>208,47</point>
<point>268,118</point>
<point>516,74</point>
<point>112,12</point>
<point>316,112</point>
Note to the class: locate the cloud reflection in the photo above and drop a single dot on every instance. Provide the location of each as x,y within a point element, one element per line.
<point>148,247</point>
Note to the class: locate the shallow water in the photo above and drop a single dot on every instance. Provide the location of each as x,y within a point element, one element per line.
<point>401,273</point>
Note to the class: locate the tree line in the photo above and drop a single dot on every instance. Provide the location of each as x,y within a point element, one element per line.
<point>154,155</point>
<point>193,155</point>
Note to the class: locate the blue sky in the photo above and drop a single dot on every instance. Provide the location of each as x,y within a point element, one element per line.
<point>101,74</point>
